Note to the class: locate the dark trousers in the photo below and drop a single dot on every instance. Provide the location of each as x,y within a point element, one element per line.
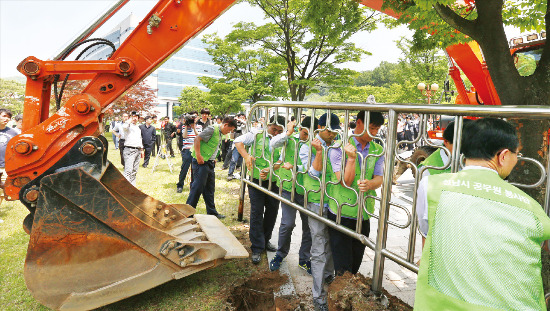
<point>156,145</point>
<point>147,154</point>
<point>186,159</point>
<point>409,136</point>
<point>263,214</point>
<point>180,144</point>
<point>204,183</point>
<point>225,149</point>
<point>347,252</point>
<point>121,149</point>
<point>169,146</point>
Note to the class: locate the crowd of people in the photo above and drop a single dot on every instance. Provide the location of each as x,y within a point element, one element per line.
<point>459,214</point>
<point>482,237</point>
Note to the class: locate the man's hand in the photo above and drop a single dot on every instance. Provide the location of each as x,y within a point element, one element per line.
<point>350,151</point>
<point>264,173</point>
<point>290,128</point>
<point>249,162</point>
<point>364,185</point>
<point>316,143</point>
<point>288,166</point>
<point>200,159</point>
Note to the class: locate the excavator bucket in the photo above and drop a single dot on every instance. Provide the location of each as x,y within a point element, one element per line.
<point>95,239</point>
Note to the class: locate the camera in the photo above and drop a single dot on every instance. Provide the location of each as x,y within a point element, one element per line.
<point>189,119</point>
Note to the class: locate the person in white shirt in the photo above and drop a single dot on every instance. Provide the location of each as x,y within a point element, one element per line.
<point>132,147</point>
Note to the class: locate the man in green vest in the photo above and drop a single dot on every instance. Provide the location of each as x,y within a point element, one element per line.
<point>439,158</point>
<point>285,167</point>
<point>483,235</point>
<point>360,150</point>
<point>263,207</point>
<point>205,148</point>
<point>322,266</point>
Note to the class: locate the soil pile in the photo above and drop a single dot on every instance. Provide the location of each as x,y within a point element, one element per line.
<point>353,293</point>
<point>256,293</point>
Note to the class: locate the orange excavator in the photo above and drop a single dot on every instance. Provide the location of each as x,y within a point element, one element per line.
<point>94,238</point>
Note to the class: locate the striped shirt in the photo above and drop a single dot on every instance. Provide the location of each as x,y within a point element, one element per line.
<point>188,142</point>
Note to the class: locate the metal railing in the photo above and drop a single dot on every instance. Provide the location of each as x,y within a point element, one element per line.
<point>390,151</point>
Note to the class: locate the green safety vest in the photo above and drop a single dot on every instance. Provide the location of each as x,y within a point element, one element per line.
<point>311,183</point>
<point>208,148</point>
<point>435,160</point>
<point>261,162</point>
<point>346,196</point>
<point>287,174</point>
<point>483,249</point>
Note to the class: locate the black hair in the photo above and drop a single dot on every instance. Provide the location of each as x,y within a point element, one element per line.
<point>205,110</point>
<point>280,120</point>
<point>192,112</point>
<point>306,122</point>
<point>376,118</point>
<point>18,117</point>
<point>352,125</point>
<point>6,111</point>
<point>230,121</point>
<point>147,118</point>
<point>448,133</point>
<point>484,138</point>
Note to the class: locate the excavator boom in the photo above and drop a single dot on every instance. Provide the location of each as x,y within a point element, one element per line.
<point>94,238</point>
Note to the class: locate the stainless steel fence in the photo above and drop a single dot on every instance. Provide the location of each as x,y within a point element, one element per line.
<point>390,147</point>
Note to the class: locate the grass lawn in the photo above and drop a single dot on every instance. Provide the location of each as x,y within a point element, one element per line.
<point>205,290</point>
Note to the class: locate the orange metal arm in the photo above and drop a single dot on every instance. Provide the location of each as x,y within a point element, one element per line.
<point>45,140</point>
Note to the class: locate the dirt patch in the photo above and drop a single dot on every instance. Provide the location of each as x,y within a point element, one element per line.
<point>256,293</point>
<point>353,293</point>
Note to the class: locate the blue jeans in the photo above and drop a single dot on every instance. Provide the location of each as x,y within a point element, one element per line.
<point>115,140</point>
<point>186,159</point>
<point>288,222</point>
<point>204,183</point>
<point>235,158</point>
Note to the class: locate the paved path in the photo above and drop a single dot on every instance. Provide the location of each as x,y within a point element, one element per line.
<point>398,281</point>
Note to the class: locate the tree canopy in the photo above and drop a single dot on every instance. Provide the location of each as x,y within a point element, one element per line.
<point>311,38</point>
<point>444,22</point>
<point>12,95</point>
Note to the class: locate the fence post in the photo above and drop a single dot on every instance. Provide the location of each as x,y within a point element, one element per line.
<point>378,270</point>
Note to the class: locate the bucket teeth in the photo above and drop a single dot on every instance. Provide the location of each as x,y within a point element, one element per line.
<point>110,241</point>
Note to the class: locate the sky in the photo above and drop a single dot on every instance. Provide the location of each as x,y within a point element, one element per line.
<point>42,28</point>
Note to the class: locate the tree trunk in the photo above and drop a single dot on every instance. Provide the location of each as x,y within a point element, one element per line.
<point>533,136</point>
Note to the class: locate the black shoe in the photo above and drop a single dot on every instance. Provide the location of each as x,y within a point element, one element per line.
<point>256,258</point>
<point>179,190</point>
<point>220,216</point>
<point>172,156</point>
<point>270,247</point>
<point>329,279</point>
<point>144,166</point>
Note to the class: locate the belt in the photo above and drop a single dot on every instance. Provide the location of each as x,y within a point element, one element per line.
<point>132,147</point>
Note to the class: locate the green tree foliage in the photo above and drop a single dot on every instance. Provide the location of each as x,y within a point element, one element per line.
<point>311,38</point>
<point>248,73</point>
<point>12,95</point>
<point>396,83</point>
<point>382,75</point>
<point>191,98</point>
<point>444,22</point>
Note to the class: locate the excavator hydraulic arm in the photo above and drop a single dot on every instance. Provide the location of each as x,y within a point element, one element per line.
<point>94,238</point>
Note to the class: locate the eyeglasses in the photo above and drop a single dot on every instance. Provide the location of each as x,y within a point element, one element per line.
<point>518,154</point>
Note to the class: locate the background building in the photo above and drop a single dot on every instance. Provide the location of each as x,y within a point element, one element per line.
<point>181,70</point>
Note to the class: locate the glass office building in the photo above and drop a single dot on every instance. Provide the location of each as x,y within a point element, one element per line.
<point>181,70</point>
